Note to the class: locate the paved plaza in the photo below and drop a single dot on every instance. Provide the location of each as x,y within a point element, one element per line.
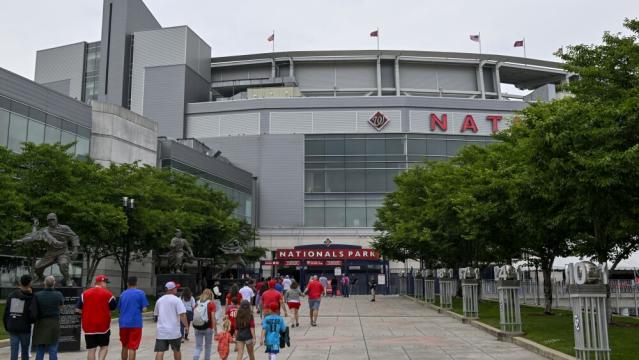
<point>391,328</point>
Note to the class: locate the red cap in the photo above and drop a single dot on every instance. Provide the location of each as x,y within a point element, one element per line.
<point>101,278</point>
<point>275,307</point>
<point>272,283</point>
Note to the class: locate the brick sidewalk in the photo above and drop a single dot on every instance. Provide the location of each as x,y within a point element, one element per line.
<point>354,328</point>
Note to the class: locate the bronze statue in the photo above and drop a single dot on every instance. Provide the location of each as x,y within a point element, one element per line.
<point>234,252</point>
<point>59,238</point>
<point>180,252</point>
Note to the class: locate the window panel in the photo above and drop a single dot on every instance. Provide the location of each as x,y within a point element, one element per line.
<point>453,146</point>
<point>394,146</point>
<point>356,217</point>
<point>314,181</point>
<point>5,103</point>
<point>375,146</point>
<point>314,216</point>
<point>19,108</point>
<point>435,147</point>
<point>314,147</point>
<point>417,146</point>
<point>82,148</point>
<point>4,127</point>
<point>68,138</point>
<point>371,216</point>
<point>375,180</point>
<point>390,176</point>
<point>335,147</point>
<point>51,135</point>
<point>355,147</point>
<point>37,114</point>
<point>17,132</point>
<point>335,181</point>
<point>35,133</point>
<point>355,180</point>
<point>334,216</point>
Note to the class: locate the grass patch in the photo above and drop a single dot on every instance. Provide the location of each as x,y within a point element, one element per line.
<point>3,332</point>
<point>556,332</point>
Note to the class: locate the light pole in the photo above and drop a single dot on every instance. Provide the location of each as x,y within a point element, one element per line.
<point>128,203</point>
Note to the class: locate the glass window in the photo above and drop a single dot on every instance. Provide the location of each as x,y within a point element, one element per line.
<point>394,146</point>
<point>17,132</point>
<point>314,216</point>
<point>314,147</point>
<point>335,147</point>
<point>375,146</point>
<point>69,126</point>
<point>85,132</point>
<point>54,121</point>
<point>4,127</point>
<point>51,135</point>
<point>37,115</point>
<point>356,217</point>
<point>335,181</point>
<point>453,146</point>
<point>355,180</point>
<point>375,180</point>
<point>68,138</point>
<point>335,216</point>
<point>36,132</point>
<point>371,216</point>
<point>82,148</point>
<point>19,108</point>
<point>5,103</point>
<point>390,182</point>
<point>435,147</point>
<point>355,147</point>
<point>417,146</point>
<point>314,181</point>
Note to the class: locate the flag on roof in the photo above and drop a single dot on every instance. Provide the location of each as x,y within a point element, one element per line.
<point>271,38</point>
<point>474,38</point>
<point>375,33</point>
<point>519,43</point>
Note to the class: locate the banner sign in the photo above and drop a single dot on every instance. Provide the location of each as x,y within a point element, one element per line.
<point>270,262</point>
<point>315,263</point>
<point>322,254</point>
<point>292,263</point>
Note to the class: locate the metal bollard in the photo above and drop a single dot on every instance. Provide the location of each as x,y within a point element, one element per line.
<point>446,288</point>
<point>470,292</point>
<point>508,285</point>
<point>590,319</point>
<point>429,286</point>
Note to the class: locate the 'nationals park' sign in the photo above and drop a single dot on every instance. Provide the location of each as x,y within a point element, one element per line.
<point>323,254</point>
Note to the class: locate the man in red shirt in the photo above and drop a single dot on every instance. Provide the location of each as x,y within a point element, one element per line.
<point>272,296</point>
<point>314,289</point>
<point>95,305</point>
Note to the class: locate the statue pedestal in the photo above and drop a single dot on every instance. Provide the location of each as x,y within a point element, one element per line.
<point>184,280</point>
<point>70,322</point>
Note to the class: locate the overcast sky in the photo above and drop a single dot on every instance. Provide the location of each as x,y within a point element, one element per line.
<point>242,26</point>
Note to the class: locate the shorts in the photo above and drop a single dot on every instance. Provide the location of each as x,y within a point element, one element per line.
<point>94,340</point>
<point>293,305</point>
<point>162,345</point>
<point>314,304</point>
<point>244,335</point>
<point>130,338</point>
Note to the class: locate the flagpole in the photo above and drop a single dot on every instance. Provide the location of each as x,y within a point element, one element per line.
<point>525,47</point>
<point>480,43</point>
<point>273,41</point>
<point>377,39</point>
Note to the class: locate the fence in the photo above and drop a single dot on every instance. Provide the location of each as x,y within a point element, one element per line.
<point>623,300</point>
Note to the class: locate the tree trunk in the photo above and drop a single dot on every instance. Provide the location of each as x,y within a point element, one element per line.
<point>546,269</point>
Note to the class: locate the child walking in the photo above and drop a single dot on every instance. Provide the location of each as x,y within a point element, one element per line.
<point>245,334</point>
<point>224,339</point>
<point>272,327</point>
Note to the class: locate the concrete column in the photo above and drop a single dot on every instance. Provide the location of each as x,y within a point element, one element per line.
<point>480,79</point>
<point>379,75</point>
<point>291,71</point>
<point>273,69</point>
<point>498,80</point>
<point>398,88</point>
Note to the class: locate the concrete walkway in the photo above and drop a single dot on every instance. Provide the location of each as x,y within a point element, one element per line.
<point>391,328</point>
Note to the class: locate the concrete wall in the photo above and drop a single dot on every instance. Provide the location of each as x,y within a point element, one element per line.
<point>143,269</point>
<point>121,136</point>
<point>60,64</point>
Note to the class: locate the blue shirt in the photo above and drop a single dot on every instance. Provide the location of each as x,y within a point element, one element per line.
<point>132,301</point>
<point>273,325</point>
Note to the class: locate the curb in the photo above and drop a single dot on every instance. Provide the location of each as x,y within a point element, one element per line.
<point>532,346</point>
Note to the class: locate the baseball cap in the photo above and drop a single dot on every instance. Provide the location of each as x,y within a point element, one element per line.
<point>170,285</point>
<point>102,278</point>
<point>271,284</point>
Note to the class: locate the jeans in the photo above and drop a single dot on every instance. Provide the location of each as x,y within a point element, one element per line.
<point>203,337</point>
<point>22,342</point>
<point>52,349</point>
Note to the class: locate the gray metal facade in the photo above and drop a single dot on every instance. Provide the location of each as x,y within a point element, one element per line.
<point>120,19</point>
<point>27,92</point>
<point>62,64</point>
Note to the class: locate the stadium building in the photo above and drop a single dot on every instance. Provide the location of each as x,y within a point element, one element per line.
<point>323,133</point>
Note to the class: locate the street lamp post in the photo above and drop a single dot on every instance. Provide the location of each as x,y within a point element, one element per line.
<point>128,203</point>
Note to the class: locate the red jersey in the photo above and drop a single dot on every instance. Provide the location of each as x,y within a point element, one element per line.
<point>229,300</point>
<point>271,296</point>
<point>315,289</point>
<point>96,305</point>
<point>231,312</point>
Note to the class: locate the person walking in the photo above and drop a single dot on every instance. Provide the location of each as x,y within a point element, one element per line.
<point>372,285</point>
<point>224,339</point>
<point>20,312</point>
<point>245,330</point>
<point>170,312</point>
<point>246,292</point>
<point>217,299</point>
<point>346,283</point>
<point>272,327</point>
<point>286,283</point>
<point>95,305</point>
<point>324,280</point>
<point>333,286</point>
<point>292,300</point>
<point>205,324</point>
<point>314,289</point>
<point>234,293</point>
<point>272,296</point>
<point>189,304</point>
<point>259,301</point>
<point>47,327</point>
<point>132,304</point>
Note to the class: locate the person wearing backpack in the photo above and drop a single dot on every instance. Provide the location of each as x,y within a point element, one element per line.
<point>20,312</point>
<point>204,324</point>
